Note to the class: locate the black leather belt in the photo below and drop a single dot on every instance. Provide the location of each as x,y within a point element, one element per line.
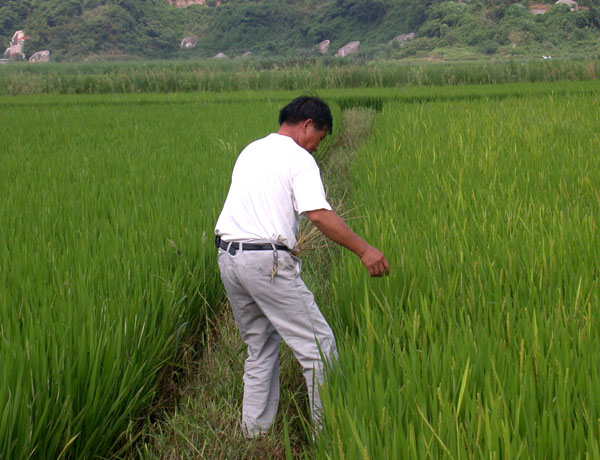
<point>235,246</point>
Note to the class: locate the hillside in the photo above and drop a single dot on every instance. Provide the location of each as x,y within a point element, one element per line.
<point>74,30</point>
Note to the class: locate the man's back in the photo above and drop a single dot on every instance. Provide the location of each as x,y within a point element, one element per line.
<point>274,180</point>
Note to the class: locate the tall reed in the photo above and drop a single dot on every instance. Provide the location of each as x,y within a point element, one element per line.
<point>240,75</point>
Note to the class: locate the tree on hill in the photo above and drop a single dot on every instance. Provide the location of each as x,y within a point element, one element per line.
<point>72,28</point>
<point>75,29</point>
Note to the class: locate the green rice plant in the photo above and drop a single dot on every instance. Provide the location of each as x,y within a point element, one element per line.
<point>482,343</point>
<point>374,98</point>
<point>106,259</point>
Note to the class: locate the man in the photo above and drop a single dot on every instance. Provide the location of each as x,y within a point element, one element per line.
<point>275,181</point>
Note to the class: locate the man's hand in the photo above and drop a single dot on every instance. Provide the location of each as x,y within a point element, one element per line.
<point>375,262</point>
<point>334,228</point>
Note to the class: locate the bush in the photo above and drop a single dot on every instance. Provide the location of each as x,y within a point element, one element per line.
<point>431,29</point>
<point>488,47</point>
<point>450,13</point>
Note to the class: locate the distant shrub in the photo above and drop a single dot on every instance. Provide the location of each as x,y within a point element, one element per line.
<point>515,11</point>
<point>488,47</point>
<point>450,13</point>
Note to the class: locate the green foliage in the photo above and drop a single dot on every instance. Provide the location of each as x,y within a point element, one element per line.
<point>505,27</point>
<point>253,26</point>
<point>72,29</point>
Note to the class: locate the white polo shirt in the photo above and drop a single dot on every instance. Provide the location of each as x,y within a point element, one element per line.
<point>274,181</point>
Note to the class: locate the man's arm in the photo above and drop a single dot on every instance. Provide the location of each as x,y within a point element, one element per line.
<point>334,228</point>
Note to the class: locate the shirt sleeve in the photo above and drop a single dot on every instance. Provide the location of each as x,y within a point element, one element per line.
<point>308,192</point>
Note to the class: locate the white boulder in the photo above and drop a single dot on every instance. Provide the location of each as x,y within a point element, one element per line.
<point>570,3</point>
<point>350,48</point>
<point>188,42</point>
<point>323,47</point>
<point>40,56</point>
<point>403,38</point>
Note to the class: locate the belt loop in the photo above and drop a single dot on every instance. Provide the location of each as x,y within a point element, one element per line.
<point>241,246</point>
<point>230,249</point>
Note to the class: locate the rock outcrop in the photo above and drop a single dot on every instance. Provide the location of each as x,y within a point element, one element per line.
<point>188,42</point>
<point>40,56</point>
<point>323,47</point>
<point>220,56</point>
<point>539,8</point>
<point>570,3</point>
<point>185,3</point>
<point>403,38</point>
<point>543,8</point>
<point>350,48</point>
<point>15,50</point>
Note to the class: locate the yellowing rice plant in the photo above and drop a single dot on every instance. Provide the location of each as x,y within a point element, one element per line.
<point>483,343</point>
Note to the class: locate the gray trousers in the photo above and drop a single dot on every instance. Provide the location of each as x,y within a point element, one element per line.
<point>267,309</point>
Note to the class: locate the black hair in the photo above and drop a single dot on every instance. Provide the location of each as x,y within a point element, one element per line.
<point>307,108</point>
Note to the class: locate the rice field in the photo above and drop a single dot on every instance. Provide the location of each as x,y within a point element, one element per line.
<point>480,344</point>
<point>106,260</point>
<point>483,341</point>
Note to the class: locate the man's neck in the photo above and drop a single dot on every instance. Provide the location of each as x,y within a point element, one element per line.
<point>292,131</point>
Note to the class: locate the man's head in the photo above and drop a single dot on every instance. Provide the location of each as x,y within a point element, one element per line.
<point>307,120</point>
